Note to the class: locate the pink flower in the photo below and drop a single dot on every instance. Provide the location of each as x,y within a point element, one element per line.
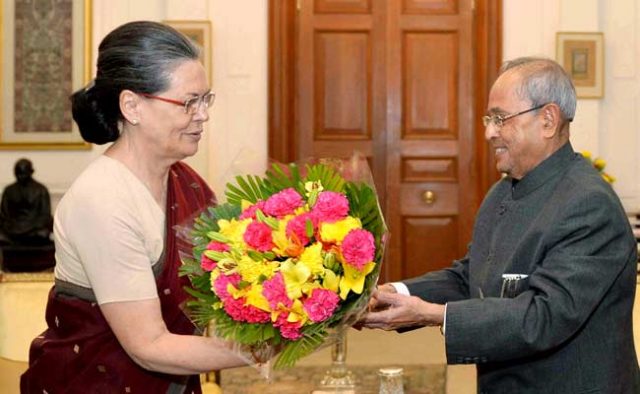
<point>331,207</point>
<point>258,236</point>
<point>283,203</point>
<point>275,292</point>
<point>289,330</point>
<point>250,213</point>
<point>220,285</point>
<point>358,248</point>
<point>298,227</point>
<point>208,264</point>
<point>239,311</point>
<point>321,304</point>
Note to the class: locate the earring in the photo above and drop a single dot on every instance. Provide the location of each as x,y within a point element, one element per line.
<point>134,122</point>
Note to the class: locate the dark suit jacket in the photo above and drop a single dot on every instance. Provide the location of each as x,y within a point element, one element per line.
<point>568,327</point>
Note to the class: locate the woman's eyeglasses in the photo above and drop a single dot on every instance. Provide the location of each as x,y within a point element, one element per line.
<point>191,105</point>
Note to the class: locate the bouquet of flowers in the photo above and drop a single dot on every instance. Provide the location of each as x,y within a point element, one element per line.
<point>289,257</point>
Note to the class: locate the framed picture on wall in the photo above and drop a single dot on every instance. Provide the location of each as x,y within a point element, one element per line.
<point>582,56</point>
<point>199,31</point>
<point>45,55</point>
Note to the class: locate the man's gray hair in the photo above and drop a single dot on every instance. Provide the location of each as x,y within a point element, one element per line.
<point>544,81</point>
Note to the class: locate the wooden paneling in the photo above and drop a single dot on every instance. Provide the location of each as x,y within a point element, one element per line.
<point>430,6</point>
<point>342,86</point>
<point>414,203</point>
<point>443,235</point>
<point>443,169</point>
<point>430,76</point>
<point>342,6</point>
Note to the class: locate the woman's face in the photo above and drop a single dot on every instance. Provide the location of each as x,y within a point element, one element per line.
<point>168,129</point>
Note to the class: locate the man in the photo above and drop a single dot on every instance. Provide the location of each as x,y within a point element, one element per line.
<point>542,302</point>
<point>25,210</point>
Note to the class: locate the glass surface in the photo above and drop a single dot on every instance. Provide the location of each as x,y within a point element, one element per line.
<point>338,378</point>
<point>391,381</point>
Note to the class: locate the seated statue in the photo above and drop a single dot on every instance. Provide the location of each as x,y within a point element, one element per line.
<point>26,222</point>
<point>25,210</point>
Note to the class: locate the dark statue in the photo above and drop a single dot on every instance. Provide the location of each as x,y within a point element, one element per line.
<point>26,222</point>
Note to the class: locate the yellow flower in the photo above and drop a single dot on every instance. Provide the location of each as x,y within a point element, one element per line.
<point>297,313</point>
<point>214,275</point>
<point>284,246</point>
<point>235,292</point>
<point>599,164</point>
<point>330,281</point>
<point>312,258</point>
<point>353,280</point>
<point>255,298</point>
<point>607,177</point>
<point>244,204</point>
<point>234,230</point>
<point>295,278</point>
<point>251,270</point>
<point>335,232</point>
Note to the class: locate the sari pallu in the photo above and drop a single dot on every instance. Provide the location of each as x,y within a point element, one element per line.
<point>78,353</point>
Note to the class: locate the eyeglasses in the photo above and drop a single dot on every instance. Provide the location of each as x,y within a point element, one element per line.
<point>498,120</point>
<point>191,105</point>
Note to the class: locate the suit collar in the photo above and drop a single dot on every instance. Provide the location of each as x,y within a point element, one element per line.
<point>550,168</point>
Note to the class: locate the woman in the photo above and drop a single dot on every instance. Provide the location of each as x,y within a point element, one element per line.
<point>114,317</point>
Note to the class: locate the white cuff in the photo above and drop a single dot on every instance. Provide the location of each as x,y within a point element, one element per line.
<point>401,288</point>
<point>444,320</point>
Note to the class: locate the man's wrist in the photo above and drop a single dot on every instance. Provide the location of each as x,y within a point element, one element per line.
<point>400,287</point>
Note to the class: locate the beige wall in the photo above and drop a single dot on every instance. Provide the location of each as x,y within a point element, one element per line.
<point>237,131</point>
<point>608,127</point>
<point>238,126</point>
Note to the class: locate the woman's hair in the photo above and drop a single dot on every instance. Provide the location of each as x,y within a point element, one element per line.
<point>139,56</point>
<point>544,81</point>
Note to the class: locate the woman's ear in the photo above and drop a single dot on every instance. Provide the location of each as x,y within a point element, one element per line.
<point>130,106</point>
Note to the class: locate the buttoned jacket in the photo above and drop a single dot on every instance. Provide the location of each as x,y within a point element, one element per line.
<point>566,326</point>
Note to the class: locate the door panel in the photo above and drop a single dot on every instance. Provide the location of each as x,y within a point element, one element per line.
<point>342,6</point>
<point>429,6</point>
<point>342,86</point>
<point>441,231</point>
<point>430,78</point>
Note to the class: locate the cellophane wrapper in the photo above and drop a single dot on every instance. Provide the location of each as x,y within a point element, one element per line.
<point>288,259</point>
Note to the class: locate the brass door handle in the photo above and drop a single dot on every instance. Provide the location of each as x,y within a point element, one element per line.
<point>429,197</point>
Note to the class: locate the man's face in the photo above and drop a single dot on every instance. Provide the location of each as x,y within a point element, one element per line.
<point>519,144</point>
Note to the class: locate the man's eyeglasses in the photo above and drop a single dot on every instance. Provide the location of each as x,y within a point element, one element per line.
<point>498,120</point>
<point>191,105</point>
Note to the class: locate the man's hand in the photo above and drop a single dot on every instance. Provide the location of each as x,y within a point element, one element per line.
<point>374,305</point>
<point>393,311</point>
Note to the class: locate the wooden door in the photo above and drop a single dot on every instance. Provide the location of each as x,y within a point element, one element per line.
<point>341,76</point>
<point>397,81</point>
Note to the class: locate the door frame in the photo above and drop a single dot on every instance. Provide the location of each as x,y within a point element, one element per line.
<point>282,144</point>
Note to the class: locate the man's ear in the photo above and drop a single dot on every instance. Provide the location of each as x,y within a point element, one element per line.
<point>551,119</point>
<point>130,106</point>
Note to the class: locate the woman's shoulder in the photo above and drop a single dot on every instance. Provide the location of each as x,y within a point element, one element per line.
<point>104,181</point>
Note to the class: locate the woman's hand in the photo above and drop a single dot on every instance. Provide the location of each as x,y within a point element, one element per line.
<point>141,331</point>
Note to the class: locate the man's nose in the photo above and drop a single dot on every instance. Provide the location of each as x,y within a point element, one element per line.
<point>490,131</point>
